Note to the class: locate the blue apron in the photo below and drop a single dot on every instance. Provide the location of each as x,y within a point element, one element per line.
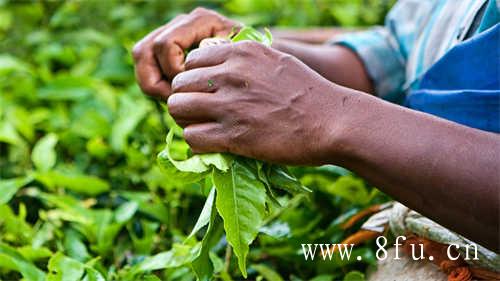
<point>464,85</point>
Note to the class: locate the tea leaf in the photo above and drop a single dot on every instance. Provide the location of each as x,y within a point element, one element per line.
<point>9,187</point>
<point>240,200</point>
<point>44,155</point>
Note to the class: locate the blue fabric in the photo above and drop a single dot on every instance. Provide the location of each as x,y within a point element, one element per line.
<point>416,34</point>
<point>464,85</point>
<point>491,16</point>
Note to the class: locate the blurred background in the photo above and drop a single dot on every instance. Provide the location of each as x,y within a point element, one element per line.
<point>81,195</point>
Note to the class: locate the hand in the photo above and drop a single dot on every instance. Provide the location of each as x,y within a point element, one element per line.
<point>251,100</point>
<point>160,55</point>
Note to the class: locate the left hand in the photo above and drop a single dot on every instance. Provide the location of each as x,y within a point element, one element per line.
<point>248,99</point>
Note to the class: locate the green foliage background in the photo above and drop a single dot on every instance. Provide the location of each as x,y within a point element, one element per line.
<point>81,195</point>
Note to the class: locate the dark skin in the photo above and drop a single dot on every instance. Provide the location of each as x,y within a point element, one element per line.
<point>301,104</point>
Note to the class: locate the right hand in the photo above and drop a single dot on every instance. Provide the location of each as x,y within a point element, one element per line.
<point>160,55</point>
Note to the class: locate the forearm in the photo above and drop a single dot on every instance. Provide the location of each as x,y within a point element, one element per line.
<point>308,35</point>
<point>336,63</point>
<point>448,172</point>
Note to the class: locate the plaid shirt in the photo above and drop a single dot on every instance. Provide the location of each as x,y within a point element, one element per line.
<point>416,34</point>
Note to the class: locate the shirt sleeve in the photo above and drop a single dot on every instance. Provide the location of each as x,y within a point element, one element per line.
<point>384,49</point>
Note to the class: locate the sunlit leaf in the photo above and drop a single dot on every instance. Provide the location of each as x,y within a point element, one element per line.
<point>130,114</point>
<point>126,211</point>
<point>351,189</point>
<point>44,154</point>
<point>177,256</point>
<point>10,259</point>
<point>76,182</point>
<point>66,88</point>
<point>9,187</point>
<point>205,214</point>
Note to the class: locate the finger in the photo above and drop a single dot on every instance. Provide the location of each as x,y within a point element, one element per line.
<point>208,56</point>
<point>214,41</point>
<point>147,71</point>
<point>151,81</point>
<point>199,24</point>
<point>206,137</point>
<point>197,107</point>
<point>197,80</point>
<point>170,44</point>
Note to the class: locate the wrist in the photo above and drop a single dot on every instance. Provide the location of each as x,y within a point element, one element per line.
<point>345,124</point>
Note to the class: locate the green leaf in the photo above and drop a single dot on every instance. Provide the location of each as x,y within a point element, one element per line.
<point>126,211</point>
<point>89,120</point>
<point>131,112</point>
<point>14,227</point>
<point>249,33</point>
<point>192,169</point>
<point>279,177</point>
<point>12,64</point>
<point>145,244</point>
<point>23,121</point>
<point>92,275</point>
<point>149,204</point>
<point>324,277</point>
<point>62,268</point>
<point>205,215</point>
<point>12,260</point>
<point>240,202</point>
<point>202,264</point>
<point>354,276</point>
<point>113,66</point>
<point>44,154</point>
<point>177,256</point>
<point>84,184</point>
<point>151,277</point>
<point>67,87</point>
<point>74,246</point>
<point>351,189</point>
<point>267,272</point>
<point>8,134</point>
<point>8,188</point>
<point>34,254</point>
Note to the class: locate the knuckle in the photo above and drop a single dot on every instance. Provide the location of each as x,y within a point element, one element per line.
<point>137,50</point>
<point>190,137</point>
<point>191,58</point>
<point>247,48</point>
<point>148,89</point>
<point>235,77</point>
<point>178,17</point>
<point>177,82</point>
<point>158,43</point>
<point>173,105</point>
<point>142,47</point>
<point>162,41</point>
<point>285,58</point>
<point>252,45</point>
<point>200,11</point>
